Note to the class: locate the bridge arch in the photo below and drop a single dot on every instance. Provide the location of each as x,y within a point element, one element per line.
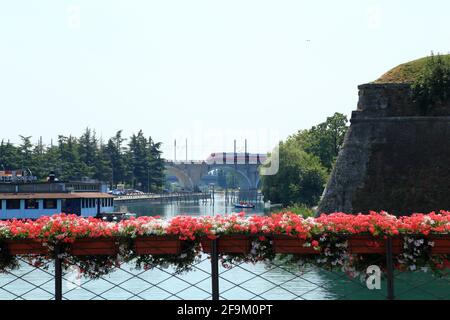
<point>184,179</point>
<point>244,181</point>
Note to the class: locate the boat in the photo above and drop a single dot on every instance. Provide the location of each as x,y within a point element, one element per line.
<point>244,205</point>
<point>23,197</point>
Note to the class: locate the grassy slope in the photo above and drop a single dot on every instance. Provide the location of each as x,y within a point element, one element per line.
<point>407,72</point>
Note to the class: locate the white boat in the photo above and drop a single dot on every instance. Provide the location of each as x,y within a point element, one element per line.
<point>244,205</point>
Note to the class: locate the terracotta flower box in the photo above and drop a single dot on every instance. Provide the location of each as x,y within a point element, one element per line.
<point>292,245</point>
<point>441,244</point>
<point>94,247</point>
<point>158,245</point>
<point>229,244</point>
<point>25,246</point>
<point>367,244</point>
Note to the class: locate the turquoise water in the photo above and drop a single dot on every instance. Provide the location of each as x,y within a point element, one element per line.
<point>218,206</point>
<point>246,282</point>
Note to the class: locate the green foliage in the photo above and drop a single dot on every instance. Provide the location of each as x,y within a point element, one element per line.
<point>408,72</point>
<point>432,86</point>
<point>139,165</point>
<point>301,210</point>
<point>300,178</point>
<point>325,139</point>
<point>306,159</point>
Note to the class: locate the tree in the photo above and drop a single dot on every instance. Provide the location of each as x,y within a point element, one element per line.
<point>325,139</point>
<point>115,152</point>
<point>25,152</point>
<point>300,178</point>
<point>71,167</point>
<point>306,159</point>
<point>156,166</point>
<point>141,164</point>
<point>138,157</point>
<point>38,166</point>
<point>432,87</point>
<point>9,156</point>
<point>102,165</point>
<point>51,161</point>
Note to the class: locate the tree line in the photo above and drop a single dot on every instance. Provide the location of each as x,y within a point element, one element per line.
<point>135,162</point>
<point>305,163</point>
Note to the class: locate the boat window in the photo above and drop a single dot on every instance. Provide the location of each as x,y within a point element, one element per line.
<point>1,204</point>
<point>50,204</point>
<point>12,204</point>
<point>31,204</point>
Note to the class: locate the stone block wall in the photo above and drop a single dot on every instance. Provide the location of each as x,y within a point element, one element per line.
<point>394,157</point>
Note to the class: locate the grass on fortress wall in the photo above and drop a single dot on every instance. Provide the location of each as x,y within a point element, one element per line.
<point>407,72</point>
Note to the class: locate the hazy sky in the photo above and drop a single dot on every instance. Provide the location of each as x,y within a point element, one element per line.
<point>210,71</point>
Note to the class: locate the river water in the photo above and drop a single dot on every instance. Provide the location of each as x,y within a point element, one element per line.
<point>220,205</point>
<point>253,281</point>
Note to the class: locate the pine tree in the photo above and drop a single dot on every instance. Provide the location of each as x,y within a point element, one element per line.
<point>115,153</point>
<point>9,156</point>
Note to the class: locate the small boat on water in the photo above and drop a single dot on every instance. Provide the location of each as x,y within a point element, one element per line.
<point>243,205</point>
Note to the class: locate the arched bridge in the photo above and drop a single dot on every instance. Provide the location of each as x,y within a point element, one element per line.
<point>189,173</point>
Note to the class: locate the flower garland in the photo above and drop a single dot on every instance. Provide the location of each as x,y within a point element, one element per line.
<point>327,234</point>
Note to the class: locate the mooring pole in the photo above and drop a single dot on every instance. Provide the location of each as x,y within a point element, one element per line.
<point>58,274</point>
<point>215,271</point>
<point>389,269</point>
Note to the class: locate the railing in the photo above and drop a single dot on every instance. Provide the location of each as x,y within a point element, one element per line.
<point>152,196</point>
<point>210,280</point>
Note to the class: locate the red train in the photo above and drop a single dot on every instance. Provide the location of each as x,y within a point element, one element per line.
<point>236,158</point>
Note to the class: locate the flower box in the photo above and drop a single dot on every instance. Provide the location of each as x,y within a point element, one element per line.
<point>94,247</point>
<point>292,245</point>
<point>367,244</point>
<point>157,245</point>
<point>441,244</point>
<point>25,246</point>
<point>229,244</point>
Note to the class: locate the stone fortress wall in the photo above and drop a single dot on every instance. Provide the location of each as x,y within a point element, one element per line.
<point>395,157</point>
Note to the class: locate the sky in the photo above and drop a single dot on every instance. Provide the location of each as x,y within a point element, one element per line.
<point>206,71</point>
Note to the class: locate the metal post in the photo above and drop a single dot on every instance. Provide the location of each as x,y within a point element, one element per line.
<point>58,274</point>
<point>215,271</point>
<point>246,156</point>
<point>389,269</point>
<point>175,150</point>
